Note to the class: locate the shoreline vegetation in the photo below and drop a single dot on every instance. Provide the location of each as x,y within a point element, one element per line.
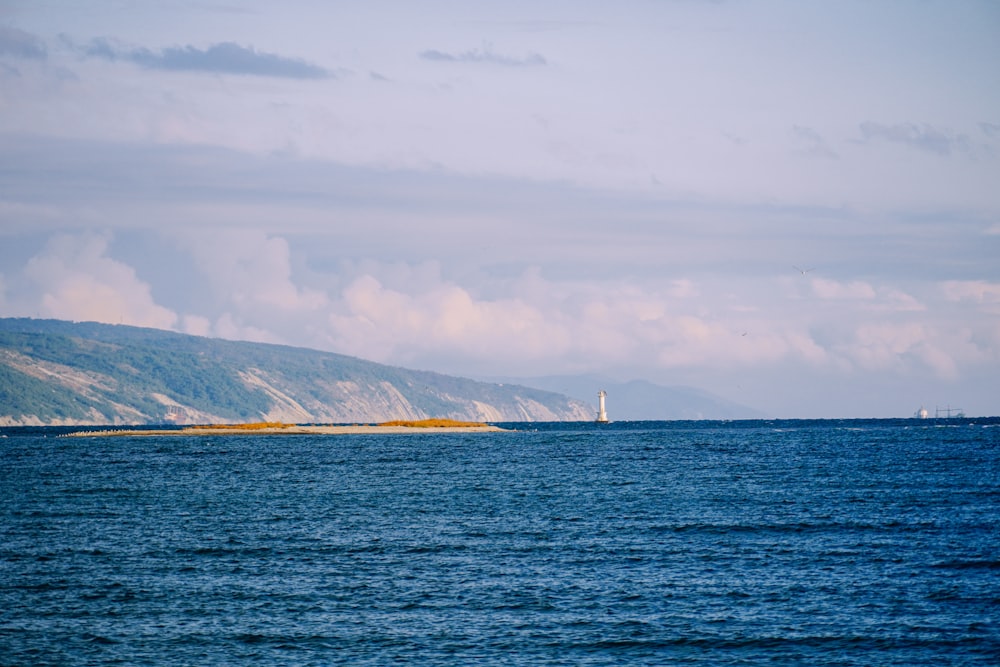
<point>280,428</point>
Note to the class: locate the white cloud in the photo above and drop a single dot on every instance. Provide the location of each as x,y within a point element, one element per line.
<point>978,291</point>
<point>382,323</point>
<point>881,299</point>
<point>545,326</point>
<point>252,271</point>
<point>893,347</point>
<point>227,326</point>
<point>76,280</point>
<point>831,289</point>
<point>898,300</point>
<point>196,325</point>
<point>982,295</point>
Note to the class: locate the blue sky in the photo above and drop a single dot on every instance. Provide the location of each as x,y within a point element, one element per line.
<point>794,205</point>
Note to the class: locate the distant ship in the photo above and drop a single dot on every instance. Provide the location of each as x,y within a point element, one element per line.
<point>947,413</point>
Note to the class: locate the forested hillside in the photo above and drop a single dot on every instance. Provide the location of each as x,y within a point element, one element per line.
<point>56,372</point>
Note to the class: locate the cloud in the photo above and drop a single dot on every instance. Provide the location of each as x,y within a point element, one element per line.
<point>232,328</point>
<point>981,292</point>
<point>196,325</point>
<point>990,129</point>
<point>76,280</point>
<point>251,289</point>
<point>924,138</point>
<point>861,295</point>
<point>536,325</point>
<point>884,346</point>
<point>811,143</point>
<point>486,55</point>
<point>830,289</point>
<point>444,319</point>
<point>221,58</point>
<point>526,324</point>
<point>899,301</point>
<point>251,270</point>
<point>20,44</point>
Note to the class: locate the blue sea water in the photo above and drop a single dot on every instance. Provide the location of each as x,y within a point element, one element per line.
<point>866,542</point>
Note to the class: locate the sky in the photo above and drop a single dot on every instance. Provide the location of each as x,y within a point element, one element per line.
<point>792,205</point>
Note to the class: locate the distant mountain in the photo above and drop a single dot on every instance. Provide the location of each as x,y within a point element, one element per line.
<point>56,372</point>
<point>641,400</point>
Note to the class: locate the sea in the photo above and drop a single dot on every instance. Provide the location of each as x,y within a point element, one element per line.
<point>829,542</point>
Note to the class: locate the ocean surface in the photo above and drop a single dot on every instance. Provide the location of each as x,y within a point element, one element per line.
<point>856,542</point>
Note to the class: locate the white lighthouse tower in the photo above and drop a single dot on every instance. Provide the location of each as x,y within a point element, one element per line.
<point>602,414</point>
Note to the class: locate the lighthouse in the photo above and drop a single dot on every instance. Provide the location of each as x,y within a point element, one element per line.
<point>602,414</point>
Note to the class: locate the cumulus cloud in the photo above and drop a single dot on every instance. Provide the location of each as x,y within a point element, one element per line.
<point>196,325</point>
<point>21,44</point>
<point>444,319</point>
<point>889,346</point>
<point>528,325</point>
<point>539,326</point>
<point>221,58</point>
<point>249,282</point>
<point>78,281</point>
<point>228,326</point>
<point>484,55</point>
<point>898,300</point>
<point>831,289</point>
<point>414,315</point>
<point>981,292</point>
<point>920,137</point>
<point>865,296</point>
<point>251,270</point>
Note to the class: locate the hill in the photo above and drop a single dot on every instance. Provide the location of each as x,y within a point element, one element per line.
<point>57,372</point>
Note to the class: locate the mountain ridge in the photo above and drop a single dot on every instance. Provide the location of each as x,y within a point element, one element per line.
<point>55,372</point>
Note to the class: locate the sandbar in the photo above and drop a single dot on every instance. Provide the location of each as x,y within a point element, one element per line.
<point>290,430</point>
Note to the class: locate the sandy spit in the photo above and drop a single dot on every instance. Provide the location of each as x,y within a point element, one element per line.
<point>292,430</point>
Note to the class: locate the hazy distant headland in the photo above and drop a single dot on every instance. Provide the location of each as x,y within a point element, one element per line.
<point>642,400</point>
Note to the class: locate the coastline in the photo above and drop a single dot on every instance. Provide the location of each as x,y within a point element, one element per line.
<point>289,430</point>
